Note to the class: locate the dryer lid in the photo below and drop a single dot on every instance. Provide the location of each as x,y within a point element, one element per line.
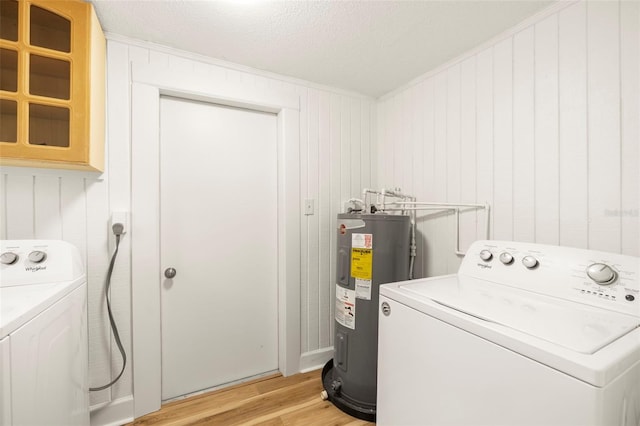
<point>580,328</point>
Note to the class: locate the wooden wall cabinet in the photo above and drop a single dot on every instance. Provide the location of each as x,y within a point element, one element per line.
<point>52,85</point>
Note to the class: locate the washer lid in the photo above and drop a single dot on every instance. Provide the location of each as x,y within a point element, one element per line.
<point>580,328</point>
<point>20,304</point>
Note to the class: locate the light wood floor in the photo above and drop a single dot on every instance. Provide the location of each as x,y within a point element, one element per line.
<point>273,400</point>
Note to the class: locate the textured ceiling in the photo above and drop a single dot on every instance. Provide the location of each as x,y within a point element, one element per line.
<point>370,47</point>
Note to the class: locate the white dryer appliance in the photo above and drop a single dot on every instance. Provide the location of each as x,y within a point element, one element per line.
<point>43,334</point>
<point>524,334</point>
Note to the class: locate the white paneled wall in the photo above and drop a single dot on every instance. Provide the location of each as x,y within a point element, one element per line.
<point>75,206</point>
<point>541,123</point>
<point>335,161</point>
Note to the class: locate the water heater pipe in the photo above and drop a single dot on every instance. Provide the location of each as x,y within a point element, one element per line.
<point>397,194</point>
<point>414,206</point>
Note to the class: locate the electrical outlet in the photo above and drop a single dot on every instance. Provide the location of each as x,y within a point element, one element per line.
<point>117,217</point>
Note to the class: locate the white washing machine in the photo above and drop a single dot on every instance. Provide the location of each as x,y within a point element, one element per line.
<point>43,334</point>
<point>524,334</point>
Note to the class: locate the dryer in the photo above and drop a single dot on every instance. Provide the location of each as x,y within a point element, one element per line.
<point>43,334</point>
<point>523,334</point>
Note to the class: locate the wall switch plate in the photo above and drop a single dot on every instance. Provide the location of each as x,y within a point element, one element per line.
<point>308,206</point>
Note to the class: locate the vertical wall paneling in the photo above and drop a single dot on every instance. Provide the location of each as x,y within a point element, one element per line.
<point>47,208</point>
<point>119,178</point>
<point>374,138</point>
<point>356,148</point>
<point>484,133</point>
<point>380,144</point>
<point>387,157</point>
<point>468,218</point>
<point>345,151</point>
<point>550,112</point>
<point>100,339</point>
<point>546,131</point>
<point>453,154</point>
<point>426,227</point>
<point>503,140</point>
<point>453,134</point>
<point>523,136</point>
<point>74,216</point>
<point>630,104</point>
<point>335,169</point>
<point>325,230</point>
<point>440,254</point>
<point>417,159</point>
<point>19,199</point>
<point>405,138</point>
<point>572,81</point>
<point>365,145</point>
<point>603,61</point>
<point>305,222</point>
<point>417,142</point>
<point>312,188</point>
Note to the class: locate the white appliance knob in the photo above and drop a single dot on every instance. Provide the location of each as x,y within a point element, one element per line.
<point>506,258</point>
<point>486,255</point>
<point>37,256</point>
<point>530,262</point>
<point>8,258</point>
<point>601,273</point>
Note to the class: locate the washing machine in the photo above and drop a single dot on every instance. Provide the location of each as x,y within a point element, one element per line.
<point>43,334</point>
<point>523,334</point>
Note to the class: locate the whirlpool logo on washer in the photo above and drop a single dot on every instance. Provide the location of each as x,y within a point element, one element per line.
<point>485,266</point>
<point>35,268</point>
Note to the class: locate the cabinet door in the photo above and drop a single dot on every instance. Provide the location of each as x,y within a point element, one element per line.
<point>47,86</point>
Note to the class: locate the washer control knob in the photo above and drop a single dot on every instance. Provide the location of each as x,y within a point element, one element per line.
<point>601,273</point>
<point>8,258</point>
<point>506,258</point>
<point>486,255</point>
<point>37,256</point>
<point>530,262</point>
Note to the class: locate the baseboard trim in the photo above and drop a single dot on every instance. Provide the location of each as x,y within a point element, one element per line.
<point>314,360</point>
<point>114,413</point>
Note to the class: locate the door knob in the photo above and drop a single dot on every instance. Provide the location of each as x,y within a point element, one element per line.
<point>170,273</point>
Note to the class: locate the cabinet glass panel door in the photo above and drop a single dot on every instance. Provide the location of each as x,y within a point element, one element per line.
<point>49,77</point>
<point>9,20</point>
<point>8,121</point>
<point>49,30</point>
<point>48,125</point>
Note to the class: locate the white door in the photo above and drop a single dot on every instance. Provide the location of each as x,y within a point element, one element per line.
<point>218,179</point>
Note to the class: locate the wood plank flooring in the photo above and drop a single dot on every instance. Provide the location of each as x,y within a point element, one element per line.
<point>273,400</point>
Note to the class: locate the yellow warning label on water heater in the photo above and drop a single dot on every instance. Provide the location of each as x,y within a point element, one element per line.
<point>361,263</point>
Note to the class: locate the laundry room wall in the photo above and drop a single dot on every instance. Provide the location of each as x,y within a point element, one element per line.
<point>541,123</point>
<point>335,162</point>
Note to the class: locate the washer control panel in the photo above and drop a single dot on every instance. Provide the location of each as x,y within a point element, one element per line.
<point>24,262</point>
<point>595,278</point>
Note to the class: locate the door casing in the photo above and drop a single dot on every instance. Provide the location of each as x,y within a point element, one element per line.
<point>148,84</point>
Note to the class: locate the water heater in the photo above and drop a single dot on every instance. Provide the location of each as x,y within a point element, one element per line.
<point>372,249</point>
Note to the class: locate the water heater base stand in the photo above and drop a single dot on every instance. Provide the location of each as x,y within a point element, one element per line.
<point>362,413</point>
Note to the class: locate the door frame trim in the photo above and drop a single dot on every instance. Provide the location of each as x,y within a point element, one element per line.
<point>149,83</point>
